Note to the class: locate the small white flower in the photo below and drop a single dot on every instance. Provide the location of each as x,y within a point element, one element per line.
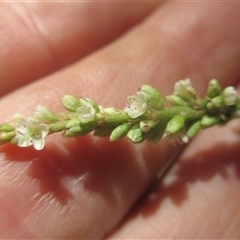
<point>137,105</point>
<point>184,89</point>
<point>86,113</point>
<point>229,96</point>
<point>30,132</point>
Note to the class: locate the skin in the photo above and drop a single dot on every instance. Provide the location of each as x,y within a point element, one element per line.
<point>90,188</point>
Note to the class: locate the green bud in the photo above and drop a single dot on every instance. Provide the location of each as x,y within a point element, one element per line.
<point>214,89</point>
<point>120,132</point>
<point>147,125</point>
<point>87,112</point>
<point>215,104</point>
<point>194,129</point>
<point>91,102</point>
<point>44,115</point>
<point>135,134</point>
<point>57,126</point>
<point>217,101</point>
<point>71,103</point>
<point>114,116</point>
<point>153,97</point>
<point>110,111</point>
<point>175,124</point>
<point>229,96</point>
<point>74,131</point>
<point>6,127</point>
<point>73,123</point>
<point>176,101</point>
<point>6,137</point>
<point>209,120</point>
<point>79,130</point>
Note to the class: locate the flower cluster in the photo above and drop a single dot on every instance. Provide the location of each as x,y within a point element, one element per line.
<point>145,116</point>
<point>219,106</point>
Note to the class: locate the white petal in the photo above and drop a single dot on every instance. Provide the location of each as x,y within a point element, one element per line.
<point>22,130</point>
<point>24,141</point>
<point>39,144</point>
<point>44,130</point>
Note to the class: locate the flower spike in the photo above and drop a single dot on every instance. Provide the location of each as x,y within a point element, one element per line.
<point>145,117</point>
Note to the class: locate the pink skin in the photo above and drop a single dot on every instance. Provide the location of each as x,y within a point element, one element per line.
<point>89,187</point>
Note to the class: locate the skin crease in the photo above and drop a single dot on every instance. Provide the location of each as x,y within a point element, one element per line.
<point>88,188</point>
<point>35,38</point>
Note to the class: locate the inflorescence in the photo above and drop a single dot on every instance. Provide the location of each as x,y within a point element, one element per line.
<point>145,117</point>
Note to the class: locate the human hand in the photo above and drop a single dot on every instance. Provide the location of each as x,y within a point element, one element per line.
<point>86,187</point>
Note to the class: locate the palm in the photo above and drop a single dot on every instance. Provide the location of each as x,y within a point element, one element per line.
<point>90,188</point>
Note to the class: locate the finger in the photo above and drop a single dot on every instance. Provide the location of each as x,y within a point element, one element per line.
<point>39,38</point>
<point>199,193</point>
<point>100,181</point>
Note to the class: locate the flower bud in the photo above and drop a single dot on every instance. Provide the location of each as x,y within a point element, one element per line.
<point>72,132</point>
<point>57,126</point>
<point>18,117</point>
<point>79,130</point>
<point>114,116</point>
<point>6,137</point>
<point>154,98</point>
<point>44,115</point>
<point>135,134</point>
<point>184,90</point>
<point>194,129</point>
<point>209,120</point>
<point>91,102</point>
<point>214,89</point>
<point>73,123</point>
<point>110,111</point>
<point>86,112</point>
<point>175,124</point>
<point>229,96</point>
<point>147,125</point>
<point>120,132</point>
<point>6,127</point>
<point>70,103</point>
<point>176,101</point>
<point>215,104</point>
